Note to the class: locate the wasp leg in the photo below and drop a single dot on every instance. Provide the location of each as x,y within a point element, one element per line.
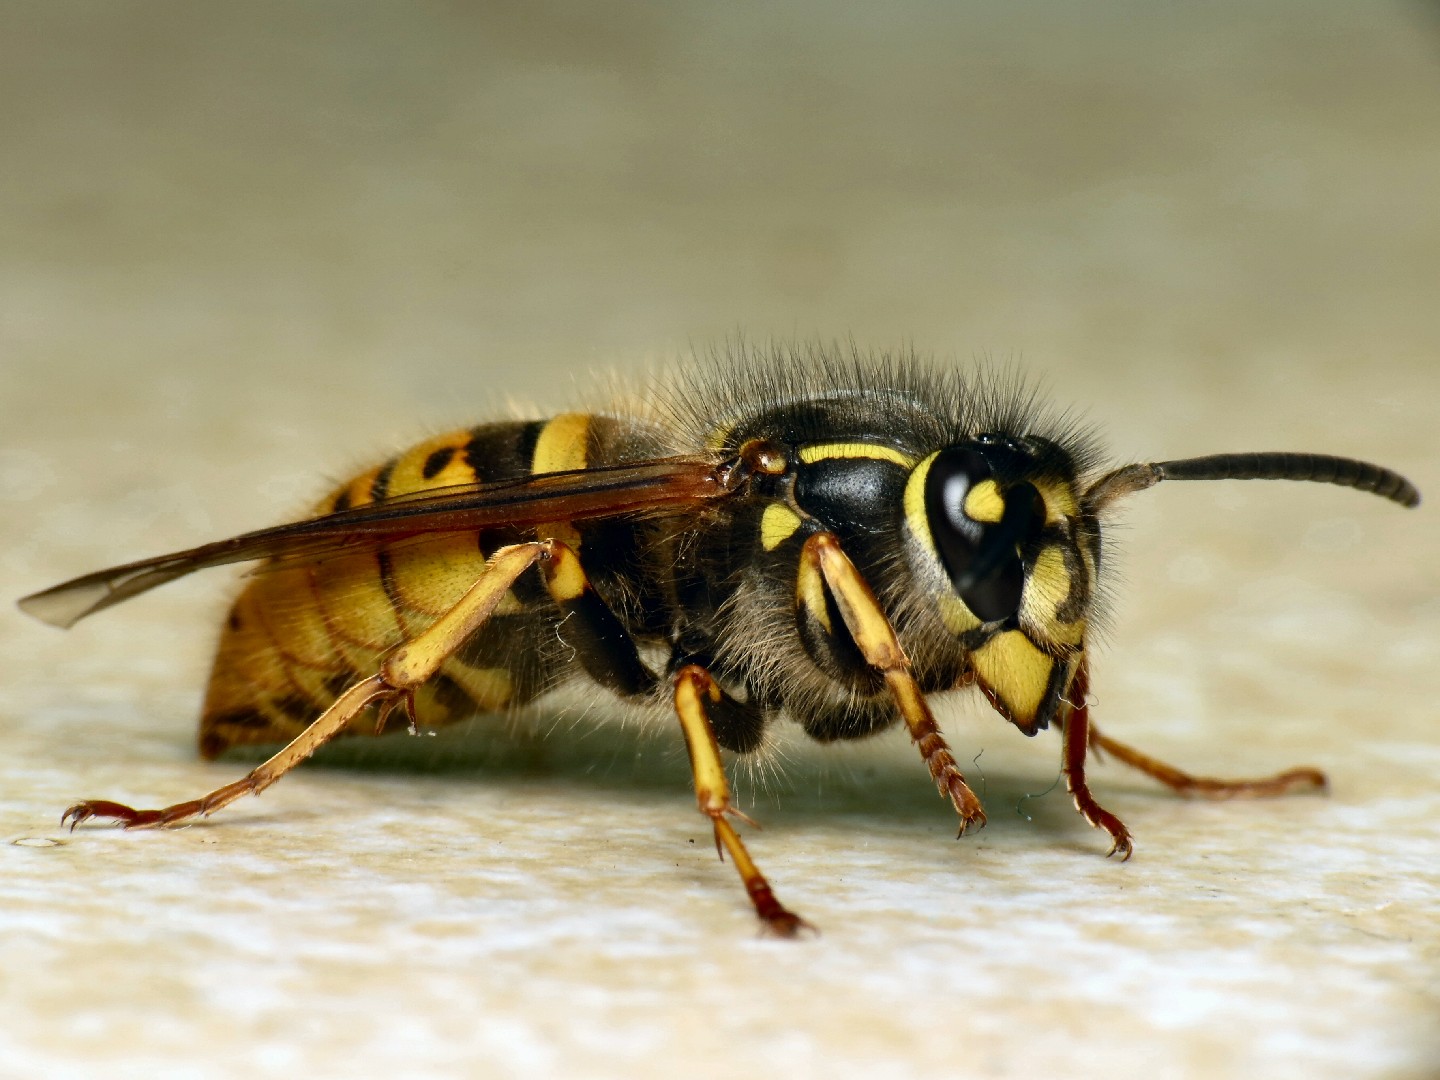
<point>1076,742</point>
<point>693,689</point>
<point>877,643</point>
<point>607,652</point>
<point>1208,787</point>
<point>401,670</point>
<point>602,645</point>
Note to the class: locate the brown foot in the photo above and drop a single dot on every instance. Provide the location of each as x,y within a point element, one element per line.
<point>129,818</point>
<point>329,724</point>
<point>952,785</point>
<point>1100,818</point>
<point>775,918</point>
<point>934,750</point>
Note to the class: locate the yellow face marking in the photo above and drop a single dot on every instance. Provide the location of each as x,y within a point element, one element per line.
<point>777,525</point>
<point>953,612</point>
<point>1060,501</point>
<point>983,502</point>
<point>829,451</point>
<point>955,615</point>
<point>1048,586</point>
<point>915,516</point>
<point>563,445</point>
<point>1046,590</point>
<point>810,593</point>
<point>1016,672</point>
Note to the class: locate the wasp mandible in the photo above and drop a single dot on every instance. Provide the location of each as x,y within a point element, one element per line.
<point>830,539</point>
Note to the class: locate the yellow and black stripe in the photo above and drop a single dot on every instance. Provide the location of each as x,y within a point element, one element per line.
<point>297,633</point>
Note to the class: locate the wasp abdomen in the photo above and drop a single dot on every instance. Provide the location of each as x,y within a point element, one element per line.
<point>298,634</point>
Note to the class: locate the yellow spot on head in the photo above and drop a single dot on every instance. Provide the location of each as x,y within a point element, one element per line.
<point>777,525</point>
<point>1048,586</point>
<point>1060,501</point>
<point>955,615</point>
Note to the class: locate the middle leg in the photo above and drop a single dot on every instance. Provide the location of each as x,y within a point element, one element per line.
<point>696,692</point>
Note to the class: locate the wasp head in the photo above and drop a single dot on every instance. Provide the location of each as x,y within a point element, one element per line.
<point>998,529</point>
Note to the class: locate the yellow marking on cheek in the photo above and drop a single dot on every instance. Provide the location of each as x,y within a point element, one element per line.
<point>810,593</point>
<point>1049,584</point>
<point>1016,672</point>
<point>563,445</point>
<point>829,451</point>
<point>1046,589</point>
<point>983,502</point>
<point>955,615</point>
<point>777,525</point>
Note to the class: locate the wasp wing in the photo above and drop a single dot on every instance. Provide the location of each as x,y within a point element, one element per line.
<point>578,495</point>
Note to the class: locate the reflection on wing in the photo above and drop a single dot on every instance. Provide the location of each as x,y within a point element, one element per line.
<point>580,495</point>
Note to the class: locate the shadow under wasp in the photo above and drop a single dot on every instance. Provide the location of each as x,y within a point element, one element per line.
<point>825,538</point>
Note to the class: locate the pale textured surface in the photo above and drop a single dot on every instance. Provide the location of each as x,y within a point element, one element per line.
<point>243,252</point>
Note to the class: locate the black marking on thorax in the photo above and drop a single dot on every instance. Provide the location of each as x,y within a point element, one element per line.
<point>860,500</point>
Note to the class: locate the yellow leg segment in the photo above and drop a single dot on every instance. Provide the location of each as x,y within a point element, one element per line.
<point>403,669</point>
<point>693,687</point>
<point>876,640</point>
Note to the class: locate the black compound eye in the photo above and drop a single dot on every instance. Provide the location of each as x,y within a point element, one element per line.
<point>982,558</point>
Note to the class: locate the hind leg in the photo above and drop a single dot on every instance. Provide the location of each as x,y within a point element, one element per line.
<point>401,671</point>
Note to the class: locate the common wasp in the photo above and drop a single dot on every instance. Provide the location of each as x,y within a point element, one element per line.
<point>826,538</point>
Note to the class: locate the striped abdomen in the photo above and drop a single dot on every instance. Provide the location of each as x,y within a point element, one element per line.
<point>299,634</point>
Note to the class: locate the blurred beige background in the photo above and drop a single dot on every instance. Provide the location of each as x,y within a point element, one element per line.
<point>247,248</point>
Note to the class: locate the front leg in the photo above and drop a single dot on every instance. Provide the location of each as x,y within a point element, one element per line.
<point>823,560</point>
<point>1076,742</point>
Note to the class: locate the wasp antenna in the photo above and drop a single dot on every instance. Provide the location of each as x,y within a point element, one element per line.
<point>1319,468</point>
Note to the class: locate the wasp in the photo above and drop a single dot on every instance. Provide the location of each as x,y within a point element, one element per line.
<point>828,539</point>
